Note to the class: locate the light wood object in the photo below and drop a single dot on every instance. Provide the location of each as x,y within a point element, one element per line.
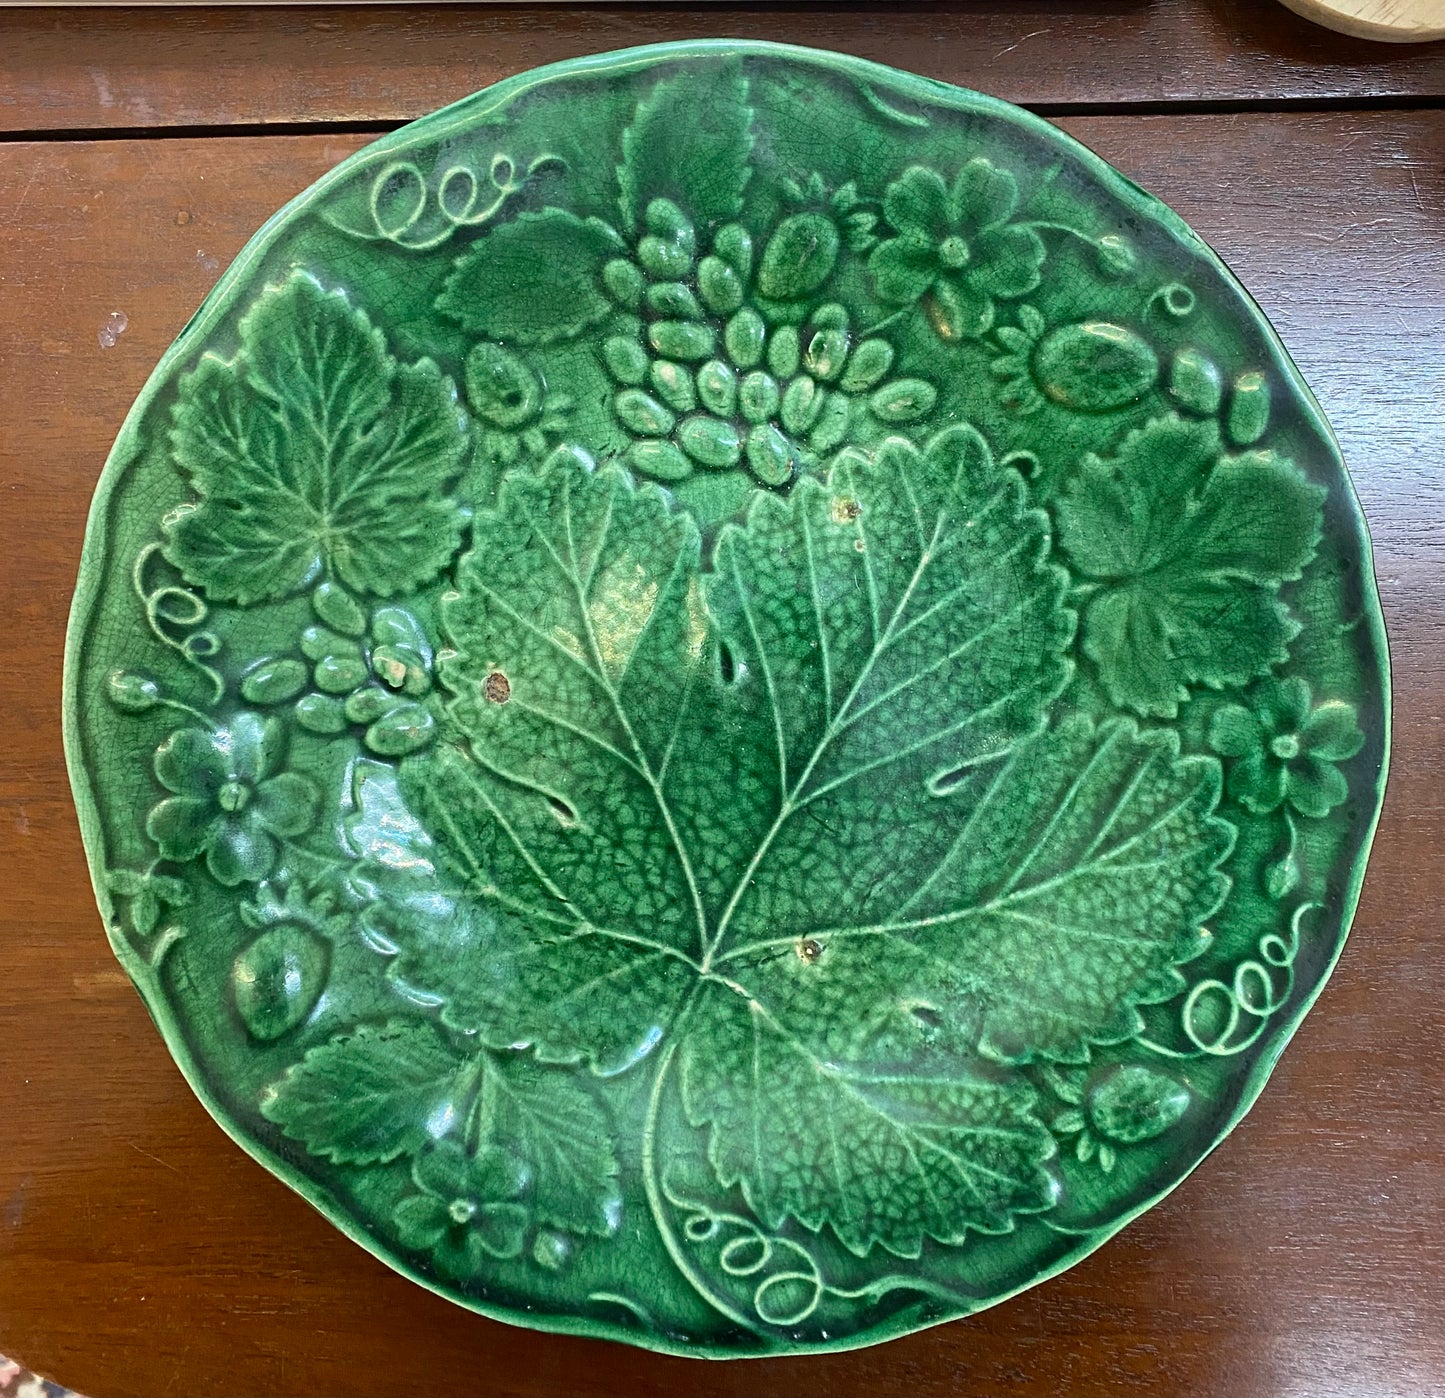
<point>1392,21</point>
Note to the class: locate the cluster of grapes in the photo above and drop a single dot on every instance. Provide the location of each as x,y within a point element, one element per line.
<point>716,370</point>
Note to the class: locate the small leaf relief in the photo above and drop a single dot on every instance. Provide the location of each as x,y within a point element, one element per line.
<point>1181,551</point>
<point>316,455</point>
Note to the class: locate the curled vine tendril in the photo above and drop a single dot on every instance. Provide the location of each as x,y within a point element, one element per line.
<point>789,1285</point>
<point>1175,300</point>
<point>175,614</point>
<point>1221,1019</point>
<point>404,207</point>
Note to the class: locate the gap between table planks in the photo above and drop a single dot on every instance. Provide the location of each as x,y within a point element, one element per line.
<point>133,70</point>
<point>143,1253</point>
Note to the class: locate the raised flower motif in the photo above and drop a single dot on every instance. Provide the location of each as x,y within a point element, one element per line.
<point>465,1211</point>
<point>1286,750</point>
<point>956,247</point>
<point>232,800</point>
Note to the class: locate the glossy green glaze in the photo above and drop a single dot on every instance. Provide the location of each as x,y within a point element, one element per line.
<point>727,699</point>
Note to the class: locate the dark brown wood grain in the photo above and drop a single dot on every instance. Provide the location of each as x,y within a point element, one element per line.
<point>104,69</point>
<point>141,1252</point>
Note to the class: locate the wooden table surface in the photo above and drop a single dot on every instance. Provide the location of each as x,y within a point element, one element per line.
<point>142,1253</point>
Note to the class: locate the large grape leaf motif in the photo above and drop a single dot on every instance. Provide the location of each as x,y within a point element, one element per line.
<point>791,827</point>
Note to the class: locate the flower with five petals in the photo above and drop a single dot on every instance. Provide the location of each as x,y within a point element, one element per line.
<point>465,1212</point>
<point>1286,749</point>
<point>232,800</point>
<point>956,247</point>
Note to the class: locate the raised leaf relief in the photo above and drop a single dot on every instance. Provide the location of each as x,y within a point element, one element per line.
<point>662,834</point>
<point>314,453</point>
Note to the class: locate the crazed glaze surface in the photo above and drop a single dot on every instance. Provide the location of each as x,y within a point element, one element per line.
<point>728,699</point>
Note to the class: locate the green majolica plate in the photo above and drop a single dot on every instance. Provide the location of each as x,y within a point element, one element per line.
<point>726,698</point>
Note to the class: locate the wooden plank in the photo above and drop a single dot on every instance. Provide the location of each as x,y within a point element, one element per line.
<point>117,69</point>
<point>142,1252</point>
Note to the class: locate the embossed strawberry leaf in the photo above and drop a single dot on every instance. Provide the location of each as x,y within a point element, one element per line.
<point>562,1138</point>
<point>314,452</point>
<point>381,1091</point>
<point>1188,549</point>
<point>690,141</point>
<point>793,818</point>
<point>534,280</point>
<point>369,1095</point>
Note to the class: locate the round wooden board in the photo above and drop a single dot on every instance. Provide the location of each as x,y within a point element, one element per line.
<point>1391,21</point>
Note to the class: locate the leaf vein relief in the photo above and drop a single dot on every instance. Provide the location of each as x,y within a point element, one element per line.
<point>1020,939</point>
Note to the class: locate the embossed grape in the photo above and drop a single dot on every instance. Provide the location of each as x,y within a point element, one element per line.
<point>710,442</point>
<point>681,339</point>
<point>769,457</point>
<point>745,337</point>
<point>624,281</point>
<point>660,459</point>
<point>674,299</point>
<point>625,359</point>
<point>317,641</point>
<point>801,404</point>
<point>639,412</point>
<point>783,352</point>
<point>405,729</point>
<point>321,713</point>
<point>274,681</point>
<point>666,220</point>
<point>798,258</point>
<point>717,386</point>
<point>720,285</point>
<point>339,674</point>
<point>831,426</point>
<point>366,705</point>
<point>674,385</point>
<point>335,606</point>
<point>826,353</point>
<point>734,244</point>
<point>759,396</point>
<point>904,400</point>
<point>867,366</point>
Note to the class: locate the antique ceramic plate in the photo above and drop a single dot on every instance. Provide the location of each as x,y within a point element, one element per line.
<point>727,699</point>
